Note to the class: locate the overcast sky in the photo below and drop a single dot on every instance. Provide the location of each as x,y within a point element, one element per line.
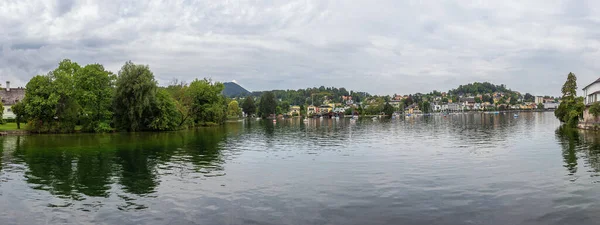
<point>383,47</point>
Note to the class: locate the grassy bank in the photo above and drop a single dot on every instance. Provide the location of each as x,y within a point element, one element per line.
<point>10,126</point>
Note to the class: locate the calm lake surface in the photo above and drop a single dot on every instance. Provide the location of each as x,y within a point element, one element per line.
<point>463,169</point>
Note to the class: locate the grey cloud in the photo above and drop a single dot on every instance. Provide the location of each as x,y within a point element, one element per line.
<point>384,48</point>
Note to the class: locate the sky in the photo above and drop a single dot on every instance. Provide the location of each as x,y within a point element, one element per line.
<point>382,47</point>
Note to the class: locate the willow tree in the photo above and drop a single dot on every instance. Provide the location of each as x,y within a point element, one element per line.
<point>135,93</point>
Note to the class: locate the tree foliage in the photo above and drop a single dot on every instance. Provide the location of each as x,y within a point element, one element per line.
<point>207,103</point>
<point>94,93</point>
<point>98,100</point>
<point>479,88</point>
<point>388,109</point>
<point>267,105</point>
<point>248,106</point>
<point>595,109</point>
<point>165,115</point>
<point>20,113</point>
<point>233,109</point>
<point>571,108</point>
<point>135,94</point>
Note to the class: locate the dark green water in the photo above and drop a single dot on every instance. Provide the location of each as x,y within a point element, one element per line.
<point>463,169</point>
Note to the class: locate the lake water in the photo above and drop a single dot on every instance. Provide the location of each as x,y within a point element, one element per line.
<point>460,169</point>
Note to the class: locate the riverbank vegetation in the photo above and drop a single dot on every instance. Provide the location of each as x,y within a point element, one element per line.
<point>97,100</point>
<point>571,108</point>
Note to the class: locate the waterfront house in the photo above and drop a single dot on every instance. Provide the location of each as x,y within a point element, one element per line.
<point>411,108</point>
<point>325,109</point>
<point>453,107</point>
<point>311,110</point>
<point>591,92</point>
<point>444,107</point>
<point>10,96</point>
<point>340,110</point>
<point>395,103</point>
<point>294,110</point>
<point>550,105</point>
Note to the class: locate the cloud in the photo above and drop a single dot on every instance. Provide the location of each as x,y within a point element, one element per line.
<point>384,48</point>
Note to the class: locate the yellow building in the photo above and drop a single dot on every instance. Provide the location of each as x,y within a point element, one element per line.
<point>311,110</point>
<point>294,110</point>
<point>325,109</point>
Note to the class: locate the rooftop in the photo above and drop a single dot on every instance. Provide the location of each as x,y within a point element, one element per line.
<point>11,96</point>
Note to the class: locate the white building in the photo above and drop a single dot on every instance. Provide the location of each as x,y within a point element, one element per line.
<point>453,107</point>
<point>10,96</point>
<point>539,99</point>
<point>444,107</point>
<point>550,105</point>
<point>591,92</point>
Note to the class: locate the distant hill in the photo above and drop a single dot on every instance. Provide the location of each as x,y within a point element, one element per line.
<point>234,90</point>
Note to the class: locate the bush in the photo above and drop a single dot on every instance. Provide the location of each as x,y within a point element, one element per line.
<point>103,127</point>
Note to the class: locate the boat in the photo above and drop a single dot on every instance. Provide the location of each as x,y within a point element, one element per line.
<point>374,118</point>
<point>516,115</point>
<point>305,120</point>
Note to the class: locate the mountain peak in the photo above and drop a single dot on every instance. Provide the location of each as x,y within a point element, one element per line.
<point>233,89</point>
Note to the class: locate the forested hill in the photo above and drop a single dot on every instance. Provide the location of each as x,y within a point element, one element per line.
<point>480,88</point>
<point>316,96</point>
<point>233,89</point>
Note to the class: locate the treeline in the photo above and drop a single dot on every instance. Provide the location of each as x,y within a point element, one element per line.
<point>314,96</point>
<point>96,100</point>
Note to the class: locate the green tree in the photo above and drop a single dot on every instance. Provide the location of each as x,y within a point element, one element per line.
<point>233,109</point>
<point>165,115</point>
<point>183,101</point>
<point>19,111</point>
<point>135,93</point>
<point>388,109</point>
<point>248,106</point>
<point>529,98</point>
<point>94,90</point>
<point>67,107</point>
<point>571,108</point>
<point>208,105</point>
<point>513,100</point>
<point>425,107</point>
<point>267,104</point>
<point>1,113</point>
<point>50,100</point>
<point>40,103</point>
<point>540,105</point>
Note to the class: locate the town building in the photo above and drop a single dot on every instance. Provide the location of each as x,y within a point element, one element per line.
<point>324,109</point>
<point>539,99</point>
<point>453,106</point>
<point>591,92</point>
<point>550,105</point>
<point>395,103</point>
<point>312,110</point>
<point>294,110</point>
<point>10,96</point>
